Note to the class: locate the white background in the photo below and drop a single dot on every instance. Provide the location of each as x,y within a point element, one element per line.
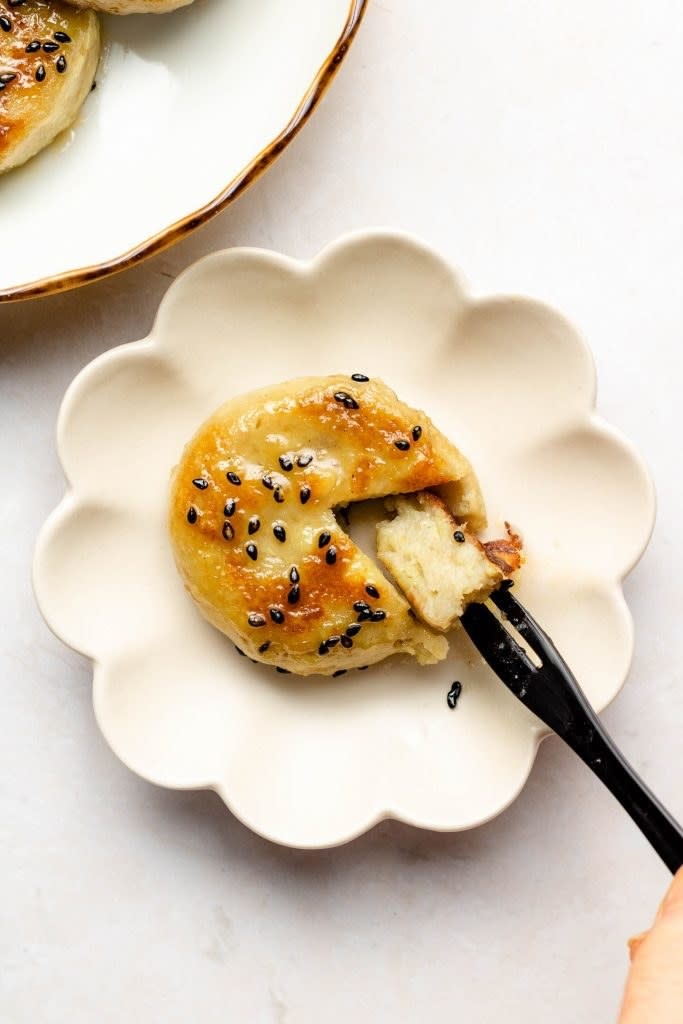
<point>539,145</point>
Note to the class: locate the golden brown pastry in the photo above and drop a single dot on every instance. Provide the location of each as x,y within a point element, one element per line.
<point>132,6</point>
<point>254,532</point>
<point>48,58</point>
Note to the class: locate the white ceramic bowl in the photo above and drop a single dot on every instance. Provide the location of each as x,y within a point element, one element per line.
<point>190,108</point>
<point>314,762</point>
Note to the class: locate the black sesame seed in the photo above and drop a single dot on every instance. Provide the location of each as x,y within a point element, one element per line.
<point>228,532</point>
<point>378,616</point>
<point>324,539</point>
<point>40,73</point>
<point>253,526</point>
<point>453,694</point>
<point>286,463</point>
<point>371,590</point>
<point>346,642</point>
<point>304,460</point>
<point>278,495</point>
<point>2,87</point>
<point>277,616</point>
<point>364,615</point>
<point>252,551</point>
<point>61,37</point>
<point>239,651</point>
<point>360,377</point>
<point>402,446</point>
<point>323,649</point>
<point>264,647</point>
<point>234,479</point>
<point>16,3</point>
<point>5,79</point>
<point>345,399</point>
<point>361,606</point>
<point>332,641</point>
<point>363,668</point>
<point>280,533</point>
<point>33,46</point>
<point>192,515</point>
<point>230,506</point>
<point>61,64</point>
<point>294,594</point>
<point>331,556</point>
<point>459,537</point>
<point>304,494</point>
<point>256,620</point>
<point>354,629</point>
<point>282,671</point>
<point>339,672</point>
<point>5,24</point>
<point>417,433</point>
<point>294,575</point>
<point>200,483</point>
<point>267,482</point>
<point>50,47</point>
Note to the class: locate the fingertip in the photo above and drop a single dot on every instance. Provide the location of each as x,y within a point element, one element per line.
<point>635,943</point>
<point>673,901</point>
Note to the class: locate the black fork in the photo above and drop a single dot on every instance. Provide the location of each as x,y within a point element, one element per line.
<point>553,694</point>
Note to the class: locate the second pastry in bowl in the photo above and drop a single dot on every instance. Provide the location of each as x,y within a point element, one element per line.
<point>132,6</point>
<point>48,58</point>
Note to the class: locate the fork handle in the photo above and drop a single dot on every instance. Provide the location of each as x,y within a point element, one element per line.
<point>561,703</point>
<point>599,752</point>
<point>554,695</point>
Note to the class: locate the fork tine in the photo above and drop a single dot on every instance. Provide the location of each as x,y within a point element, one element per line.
<point>527,627</point>
<point>507,659</point>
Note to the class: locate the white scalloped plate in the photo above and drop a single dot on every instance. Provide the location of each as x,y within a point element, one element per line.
<point>314,762</point>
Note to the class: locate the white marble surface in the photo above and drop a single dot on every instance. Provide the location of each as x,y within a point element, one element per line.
<point>540,146</point>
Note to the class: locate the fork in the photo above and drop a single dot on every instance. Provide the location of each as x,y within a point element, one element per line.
<point>553,694</point>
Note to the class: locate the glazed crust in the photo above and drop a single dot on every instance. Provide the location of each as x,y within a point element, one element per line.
<point>132,6</point>
<point>339,438</point>
<point>42,91</point>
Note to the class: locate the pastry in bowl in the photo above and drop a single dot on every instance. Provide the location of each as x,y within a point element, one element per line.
<point>132,6</point>
<point>257,542</point>
<point>48,58</point>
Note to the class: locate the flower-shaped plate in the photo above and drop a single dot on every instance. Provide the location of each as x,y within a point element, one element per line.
<point>313,762</point>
